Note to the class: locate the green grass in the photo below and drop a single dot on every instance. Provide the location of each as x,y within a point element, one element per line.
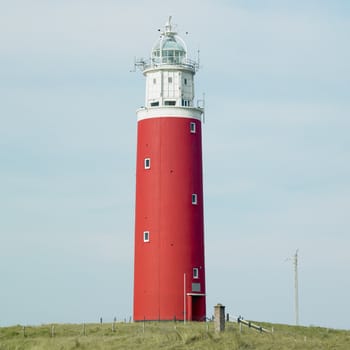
<point>168,335</point>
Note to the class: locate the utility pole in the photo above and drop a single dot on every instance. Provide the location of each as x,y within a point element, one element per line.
<point>296,288</point>
<point>296,291</point>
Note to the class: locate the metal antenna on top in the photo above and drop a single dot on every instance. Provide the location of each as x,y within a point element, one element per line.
<point>168,25</point>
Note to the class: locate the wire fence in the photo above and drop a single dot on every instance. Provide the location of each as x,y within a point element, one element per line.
<point>102,328</point>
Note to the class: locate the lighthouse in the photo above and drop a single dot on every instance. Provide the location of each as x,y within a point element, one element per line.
<point>169,269</point>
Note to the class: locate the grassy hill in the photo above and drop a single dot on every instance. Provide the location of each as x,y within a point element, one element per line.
<point>168,335</point>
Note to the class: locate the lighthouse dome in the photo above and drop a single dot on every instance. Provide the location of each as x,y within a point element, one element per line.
<point>169,49</point>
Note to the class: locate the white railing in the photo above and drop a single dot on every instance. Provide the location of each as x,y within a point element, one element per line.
<point>144,64</point>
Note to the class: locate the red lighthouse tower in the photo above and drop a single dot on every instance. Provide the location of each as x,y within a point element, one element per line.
<point>169,273</point>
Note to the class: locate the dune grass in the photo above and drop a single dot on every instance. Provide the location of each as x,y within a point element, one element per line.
<point>169,335</point>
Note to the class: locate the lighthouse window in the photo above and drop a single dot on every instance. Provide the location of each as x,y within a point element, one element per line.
<point>154,81</point>
<point>147,163</point>
<point>146,236</point>
<point>193,127</point>
<point>170,80</point>
<point>169,103</point>
<point>196,287</point>
<point>195,272</point>
<point>194,198</point>
<point>185,81</point>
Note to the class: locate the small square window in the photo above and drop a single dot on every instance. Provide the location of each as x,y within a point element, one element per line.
<point>195,272</point>
<point>194,198</point>
<point>196,287</point>
<point>193,127</point>
<point>170,80</point>
<point>147,163</point>
<point>146,236</point>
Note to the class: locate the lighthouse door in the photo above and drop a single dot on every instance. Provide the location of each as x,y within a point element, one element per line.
<point>196,307</point>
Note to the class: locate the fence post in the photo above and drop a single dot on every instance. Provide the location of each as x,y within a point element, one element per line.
<point>52,331</point>
<point>219,317</point>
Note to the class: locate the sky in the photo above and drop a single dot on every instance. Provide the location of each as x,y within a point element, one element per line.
<point>276,150</point>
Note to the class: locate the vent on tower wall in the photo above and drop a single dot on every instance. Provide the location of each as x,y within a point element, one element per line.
<point>196,287</point>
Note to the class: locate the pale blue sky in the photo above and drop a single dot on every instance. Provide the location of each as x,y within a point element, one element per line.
<point>276,154</point>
